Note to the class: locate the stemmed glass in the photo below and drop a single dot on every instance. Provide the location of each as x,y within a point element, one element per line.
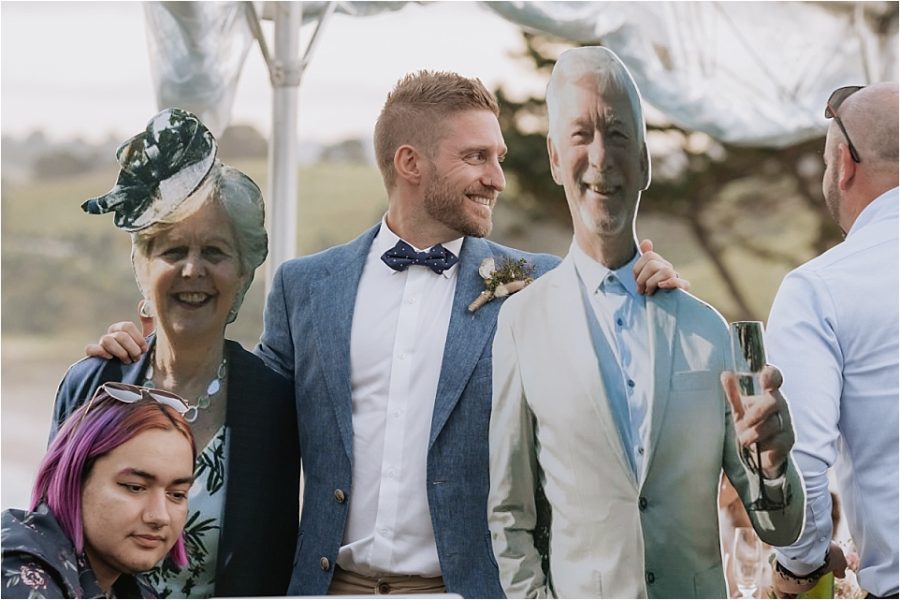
<point>746,557</point>
<point>748,353</point>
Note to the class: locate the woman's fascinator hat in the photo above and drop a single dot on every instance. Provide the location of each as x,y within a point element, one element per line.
<point>159,169</point>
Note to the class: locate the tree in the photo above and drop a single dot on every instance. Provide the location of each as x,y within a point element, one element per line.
<point>346,151</point>
<point>242,141</point>
<point>730,198</point>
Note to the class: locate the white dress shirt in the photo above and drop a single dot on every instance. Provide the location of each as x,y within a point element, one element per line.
<point>622,314</point>
<point>400,324</point>
<point>833,332</point>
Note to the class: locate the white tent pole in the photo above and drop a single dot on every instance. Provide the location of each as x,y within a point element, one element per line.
<point>283,140</point>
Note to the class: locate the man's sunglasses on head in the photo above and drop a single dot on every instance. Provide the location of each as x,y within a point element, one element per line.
<point>831,107</point>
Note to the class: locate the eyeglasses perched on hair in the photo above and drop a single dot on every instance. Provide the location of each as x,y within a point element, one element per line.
<point>129,394</point>
<point>831,107</point>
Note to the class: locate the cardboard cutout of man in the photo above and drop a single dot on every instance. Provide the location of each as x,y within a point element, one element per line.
<point>611,401</point>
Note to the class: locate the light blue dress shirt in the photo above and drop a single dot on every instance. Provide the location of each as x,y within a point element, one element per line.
<point>622,314</point>
<point>833,332</point>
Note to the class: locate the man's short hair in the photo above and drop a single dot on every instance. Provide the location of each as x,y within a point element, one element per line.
<point>610,72</point>
<point>415,110</point>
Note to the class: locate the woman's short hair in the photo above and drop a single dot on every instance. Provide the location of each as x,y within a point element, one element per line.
<point>416,108</point>
<point>242,201</point>
<point>82,440</point>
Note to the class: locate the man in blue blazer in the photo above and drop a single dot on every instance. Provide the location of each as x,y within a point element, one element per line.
<point>391,370</point>
<point>392,373</point>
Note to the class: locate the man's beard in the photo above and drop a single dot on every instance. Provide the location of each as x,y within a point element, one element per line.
<point>447,206</point>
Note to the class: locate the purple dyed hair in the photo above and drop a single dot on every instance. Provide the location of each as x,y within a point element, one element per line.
<point>85,438</point>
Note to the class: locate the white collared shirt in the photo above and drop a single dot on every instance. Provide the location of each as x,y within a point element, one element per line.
<point>400,324</point>
<point>833,332</point>
<point>622,314</point>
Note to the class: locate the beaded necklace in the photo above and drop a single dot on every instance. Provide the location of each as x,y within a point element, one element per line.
<point>204,399</point>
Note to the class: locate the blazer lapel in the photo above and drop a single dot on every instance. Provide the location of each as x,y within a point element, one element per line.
<point>569,336</point>
<point>332,300</point>
<point>466,335</point>
<point>662,309</point>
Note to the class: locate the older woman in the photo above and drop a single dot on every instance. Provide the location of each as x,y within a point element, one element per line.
<point>198,234</point>
<point>110,500</point>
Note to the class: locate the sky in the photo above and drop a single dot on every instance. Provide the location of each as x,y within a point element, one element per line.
<point>82,68</point>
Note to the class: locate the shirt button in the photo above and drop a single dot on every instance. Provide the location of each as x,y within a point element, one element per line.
<point>642,503</point>
<point>620,322</point>
<point>650,577</point>
<point>641,450</point>
<point>401,356</point>
<point>611,278</point>
<point>324,563</point>
<point>339,496</point>
<point>631,383</point>
<point>411,301</point>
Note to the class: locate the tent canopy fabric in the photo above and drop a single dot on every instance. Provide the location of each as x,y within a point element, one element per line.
<point>749,73</point>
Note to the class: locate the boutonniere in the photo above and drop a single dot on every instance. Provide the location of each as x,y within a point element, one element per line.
<point>512,276</point>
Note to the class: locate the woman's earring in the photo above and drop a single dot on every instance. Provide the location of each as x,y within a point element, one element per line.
<point>146,310</point>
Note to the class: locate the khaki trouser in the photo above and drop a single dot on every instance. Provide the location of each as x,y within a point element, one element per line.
<point>347,583</point>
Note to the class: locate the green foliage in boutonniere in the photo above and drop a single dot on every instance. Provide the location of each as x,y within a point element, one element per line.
<point>512,276</point>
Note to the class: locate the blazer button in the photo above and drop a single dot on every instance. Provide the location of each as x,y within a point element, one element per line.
<point>642,503</point>
<point>650,577</point>
<point>324,563</point>
<point>339,496</point>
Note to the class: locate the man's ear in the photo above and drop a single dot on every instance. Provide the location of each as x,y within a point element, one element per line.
<point>645,167</point>
<point>847,167</point>
<point>554,161</point>
<point>408,164</point>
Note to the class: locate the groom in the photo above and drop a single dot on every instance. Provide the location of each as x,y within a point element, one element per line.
<point>394,438</point>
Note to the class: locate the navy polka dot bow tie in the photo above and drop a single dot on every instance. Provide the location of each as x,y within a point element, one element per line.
<point>402,255</point>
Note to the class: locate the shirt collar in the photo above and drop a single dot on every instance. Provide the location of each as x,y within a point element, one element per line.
<point>386,239</point>
<point>593,273</point>
<point>881,207</point>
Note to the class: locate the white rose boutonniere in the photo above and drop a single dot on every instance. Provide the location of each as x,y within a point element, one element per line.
<point>512,276</point>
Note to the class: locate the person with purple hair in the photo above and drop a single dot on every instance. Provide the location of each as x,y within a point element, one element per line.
<point>109,501</point>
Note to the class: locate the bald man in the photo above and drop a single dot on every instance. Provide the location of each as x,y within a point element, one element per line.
<point>833,331</point>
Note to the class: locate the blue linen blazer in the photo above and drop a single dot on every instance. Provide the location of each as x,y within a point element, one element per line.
<point>259,527</point>
<point>308,318</point>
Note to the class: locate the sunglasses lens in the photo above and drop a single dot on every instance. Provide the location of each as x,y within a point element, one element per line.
<point>172,401</point>
<point>122,394</point>
<point>837,98</point>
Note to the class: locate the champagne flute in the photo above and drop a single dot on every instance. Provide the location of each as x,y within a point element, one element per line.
<point>746,559</point>
<point>748,353</point>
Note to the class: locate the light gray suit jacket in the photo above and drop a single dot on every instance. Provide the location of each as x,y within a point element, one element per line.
<point>551,425</point>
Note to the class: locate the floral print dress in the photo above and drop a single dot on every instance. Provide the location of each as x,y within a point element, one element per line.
<point>39,561</point>
<point>206,502</point>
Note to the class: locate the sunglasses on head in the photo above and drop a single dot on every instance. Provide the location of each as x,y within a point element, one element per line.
<point>831,107</point>
<point>129,394</point>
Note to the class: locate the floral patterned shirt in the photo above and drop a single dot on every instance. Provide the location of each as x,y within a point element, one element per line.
<point>206,502</point>
<point>39,561</point>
